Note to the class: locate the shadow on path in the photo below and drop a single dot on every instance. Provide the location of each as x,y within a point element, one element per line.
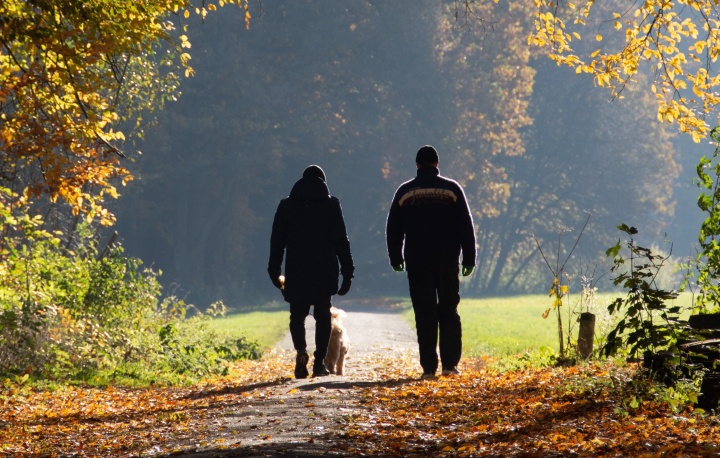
<point>308,417</point>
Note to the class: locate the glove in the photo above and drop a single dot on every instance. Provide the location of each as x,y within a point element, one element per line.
<point>275,279</point>
<point>345,287</point>
<point>399,267</point>
<point>467,270</point>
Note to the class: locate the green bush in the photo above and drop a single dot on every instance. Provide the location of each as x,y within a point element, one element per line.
<point>83,315</point>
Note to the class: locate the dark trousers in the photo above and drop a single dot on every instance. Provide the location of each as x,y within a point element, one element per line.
<point>321,313</point>
<point>435,295</point>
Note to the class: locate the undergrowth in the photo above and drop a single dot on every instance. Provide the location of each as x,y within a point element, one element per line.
<point>82,315</point>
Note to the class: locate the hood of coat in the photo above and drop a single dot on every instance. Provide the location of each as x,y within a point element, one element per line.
<point>310,188</point>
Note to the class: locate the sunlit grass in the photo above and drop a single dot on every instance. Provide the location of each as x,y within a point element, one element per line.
<point>504,326</point>
<point>499,326</point>
<point>266,325</point>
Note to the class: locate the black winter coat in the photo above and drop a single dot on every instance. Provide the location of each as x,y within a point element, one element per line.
<point>430,223</point>
<point>309,225</point>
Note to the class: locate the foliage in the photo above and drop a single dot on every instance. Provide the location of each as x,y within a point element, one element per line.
<point>708,258</point>
<point>583,154</point>
<point>649,321</point>
<point>676,41</point>
<point>633,389</point>
<point>82,315</point>
<point>492,86</point>
<point>74,74</point>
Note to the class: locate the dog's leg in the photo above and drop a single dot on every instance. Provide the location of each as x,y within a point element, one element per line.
<point>341,362</point>
<point>331,357</point>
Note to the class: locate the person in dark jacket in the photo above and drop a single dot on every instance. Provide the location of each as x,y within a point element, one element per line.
<point>309,230</point>
<point>429,225</point>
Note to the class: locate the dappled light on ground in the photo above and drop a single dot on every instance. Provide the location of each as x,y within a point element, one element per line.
<point>380,409</point>
<point>575,411</point>
<point>84,421</point>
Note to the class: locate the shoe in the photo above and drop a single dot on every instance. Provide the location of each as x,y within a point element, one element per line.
<point>319,369</point>
<point>301,365</point>
<point>450,371</point>
<point>428,376</point>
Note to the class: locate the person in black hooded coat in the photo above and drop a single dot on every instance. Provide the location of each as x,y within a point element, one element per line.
<point>309,231</point>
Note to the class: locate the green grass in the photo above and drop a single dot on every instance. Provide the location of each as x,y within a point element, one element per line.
<point>507,326</point>
<point>491,326</point>
<point>512,325</point>
<point>266,327</point>
<point>504,326</point>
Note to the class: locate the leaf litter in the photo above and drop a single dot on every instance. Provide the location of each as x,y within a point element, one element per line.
<point>379,409</point>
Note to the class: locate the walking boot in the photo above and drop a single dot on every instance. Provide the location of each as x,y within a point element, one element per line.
<point>301,361</point>
<point>319,369</point>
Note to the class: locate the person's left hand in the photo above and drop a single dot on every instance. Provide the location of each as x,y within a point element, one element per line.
<point>277,279</point>
<point>345,286</point>
<point>467,270</point>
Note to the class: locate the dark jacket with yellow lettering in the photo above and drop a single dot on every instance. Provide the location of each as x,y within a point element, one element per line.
<point>430,222</point>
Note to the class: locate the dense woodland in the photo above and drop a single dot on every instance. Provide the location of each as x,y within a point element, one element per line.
<point>357,87</point>
<point>145,147</point>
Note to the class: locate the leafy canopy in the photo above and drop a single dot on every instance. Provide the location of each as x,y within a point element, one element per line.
<point>675,40</point>
<point>71,74</point>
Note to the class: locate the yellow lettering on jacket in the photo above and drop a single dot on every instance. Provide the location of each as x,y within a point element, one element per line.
<point>426,194</point>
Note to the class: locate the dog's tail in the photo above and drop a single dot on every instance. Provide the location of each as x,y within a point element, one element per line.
<point>337,313</point>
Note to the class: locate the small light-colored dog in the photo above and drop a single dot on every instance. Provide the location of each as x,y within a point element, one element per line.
<point>339,343</point>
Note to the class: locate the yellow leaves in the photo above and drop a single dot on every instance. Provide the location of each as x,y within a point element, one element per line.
<point>603,79</point>
<point>653,38</point>
<point>64,75</point>
<point>534,411</point>
<point>247,15</point>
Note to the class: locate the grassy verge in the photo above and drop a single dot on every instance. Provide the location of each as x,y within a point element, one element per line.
<point>267,325</point>
<point>504,326</point>
<point>499,326</point>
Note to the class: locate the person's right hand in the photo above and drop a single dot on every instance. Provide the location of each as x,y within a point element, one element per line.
<point>399,267</point>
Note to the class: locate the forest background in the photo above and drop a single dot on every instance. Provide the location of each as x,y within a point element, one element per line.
<point>160,134</point>
<point>357,87</point>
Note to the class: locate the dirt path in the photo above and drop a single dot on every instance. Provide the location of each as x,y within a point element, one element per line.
<point>304,418</point>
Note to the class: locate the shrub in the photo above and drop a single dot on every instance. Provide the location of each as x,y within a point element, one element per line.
<point>79,314</point>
